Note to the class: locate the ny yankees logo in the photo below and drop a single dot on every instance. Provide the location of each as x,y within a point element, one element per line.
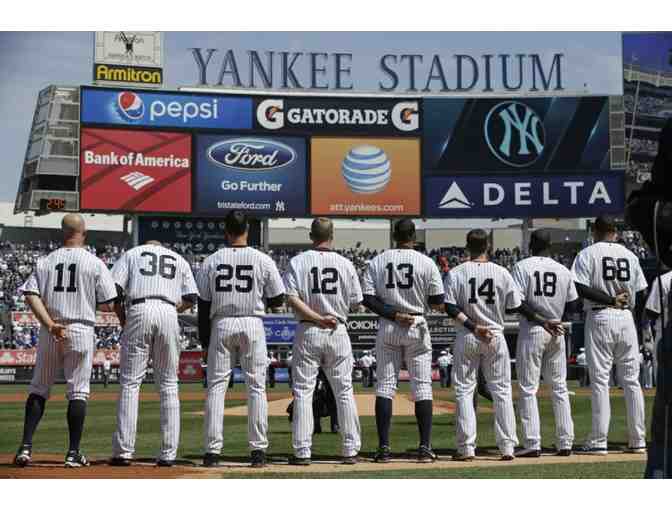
<point>515,134</point>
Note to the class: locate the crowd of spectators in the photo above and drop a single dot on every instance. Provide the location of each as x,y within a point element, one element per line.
<point>17,261</point>
<point>643,146</point>
<point>649,105</point>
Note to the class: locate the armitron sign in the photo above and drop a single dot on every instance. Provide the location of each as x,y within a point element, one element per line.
<point>128,74</point>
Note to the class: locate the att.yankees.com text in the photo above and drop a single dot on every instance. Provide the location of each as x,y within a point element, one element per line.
<point>366,208</point>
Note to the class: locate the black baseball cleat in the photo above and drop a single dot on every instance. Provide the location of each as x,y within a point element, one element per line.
<point>635,449</point>
<point>165,463</point>
<point>426,455</point>
<point>23,456</point>
<point>258,459</point>
<point>589,450</point>
<point>76,459</point>
<point>507,457</point>
<point>565,452</point>
<point>528,453</point>
<point>351,461</point>
<point>383,455</point>
<point>299,461</point>
<point>119,462</point>
<point>211,460</point>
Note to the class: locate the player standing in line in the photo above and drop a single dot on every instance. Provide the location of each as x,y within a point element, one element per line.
<point>478,294</point>
<point>548,288</point>
<point>401,285</point>
<point>154,285</point>
<point>63,292</point>
<point>233,283</point>
<point>322,288</point>
<point>607,277</point>
<point>653,311</point>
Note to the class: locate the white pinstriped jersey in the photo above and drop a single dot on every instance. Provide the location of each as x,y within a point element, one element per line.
<point>236,281</point>
<point>154,271</point>
<point>546,284</point>
<point>403,279</point>
<point>483,291</point>
<point>611,268</point>
<point>653,301</point>
<point>71,281</point>
<point>326,281</point>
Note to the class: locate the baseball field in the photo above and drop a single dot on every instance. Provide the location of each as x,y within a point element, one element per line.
<point>51,440</point>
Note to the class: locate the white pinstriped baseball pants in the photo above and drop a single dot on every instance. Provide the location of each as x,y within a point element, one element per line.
<point>538,353</point>
<point>330,349</point>
<point>470,353</point>
<point>247,337</point>
<point>611,338</point>
<point>75,355</point>
<point>151,331</point>
<point>414,345</point>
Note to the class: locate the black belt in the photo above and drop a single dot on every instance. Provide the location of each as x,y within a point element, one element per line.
<point>598,308</point>
<point>151,298</point>
<point>317,324</point>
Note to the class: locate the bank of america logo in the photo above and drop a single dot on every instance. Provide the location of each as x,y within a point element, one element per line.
<point>515,134</point>
<point>455,199</point>
<point>137,180</point>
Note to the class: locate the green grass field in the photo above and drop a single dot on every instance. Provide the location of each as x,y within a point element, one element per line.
<point>51,436</point>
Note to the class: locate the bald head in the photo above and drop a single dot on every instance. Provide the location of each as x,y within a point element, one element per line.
<point>322,230</point>
<point>153,243</point>
<point>73,224</point>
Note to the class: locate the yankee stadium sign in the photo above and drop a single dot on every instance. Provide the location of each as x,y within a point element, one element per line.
<point>524,62</point>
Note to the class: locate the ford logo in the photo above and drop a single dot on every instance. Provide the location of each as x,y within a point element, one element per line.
<point>251,154</point>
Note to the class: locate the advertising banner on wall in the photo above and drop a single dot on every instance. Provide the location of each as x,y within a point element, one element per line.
<point>345,116</point>
<point>524,196</point>
<point>190,234</point>
<point>169,109</point>
<point>365,176</point>
<point>534,135</point>
<point>258,174</point>
<point>135,171</point>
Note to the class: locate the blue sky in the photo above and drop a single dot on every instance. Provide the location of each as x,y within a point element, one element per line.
<point>31,60</point>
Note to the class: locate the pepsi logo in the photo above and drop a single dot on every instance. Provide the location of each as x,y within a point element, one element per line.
<point>130,105</point>
<point>251,154</point>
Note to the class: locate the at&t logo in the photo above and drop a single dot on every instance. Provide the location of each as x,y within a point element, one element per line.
<point>515,134</point>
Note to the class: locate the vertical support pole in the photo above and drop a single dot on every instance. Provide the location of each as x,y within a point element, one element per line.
<point>265,235</point>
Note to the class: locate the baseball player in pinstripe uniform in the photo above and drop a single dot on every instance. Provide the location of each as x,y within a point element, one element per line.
<point>155,284</point>
<point>401,285</point>
<point>322,287</point>
<point>478,294</point>
<point>548,288</point>
<point>64,291</point>
<point>233,283</point>
<point>609,278</point>
<point>653,310</point>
